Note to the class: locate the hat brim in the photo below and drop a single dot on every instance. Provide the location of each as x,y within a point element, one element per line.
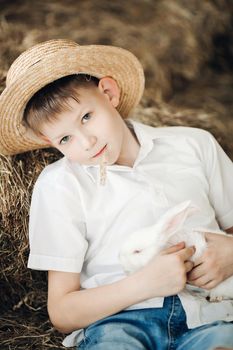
<point>95,60</point>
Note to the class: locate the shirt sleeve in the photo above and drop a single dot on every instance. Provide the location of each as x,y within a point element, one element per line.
<point>57,226</point>
<point>219,172</point>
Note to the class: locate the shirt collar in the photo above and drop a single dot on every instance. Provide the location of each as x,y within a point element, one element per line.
<point>144,137</point>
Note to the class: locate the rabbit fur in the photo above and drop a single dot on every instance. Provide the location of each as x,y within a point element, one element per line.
<point>145,243</point>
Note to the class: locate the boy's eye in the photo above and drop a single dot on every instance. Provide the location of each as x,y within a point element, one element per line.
<point>64,140</point>
<point>86,117</point>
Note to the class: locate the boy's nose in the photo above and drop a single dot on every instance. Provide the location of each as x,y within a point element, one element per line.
<point>88,141</point>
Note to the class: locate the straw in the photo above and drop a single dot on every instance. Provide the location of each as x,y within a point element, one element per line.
<point>103,168</point>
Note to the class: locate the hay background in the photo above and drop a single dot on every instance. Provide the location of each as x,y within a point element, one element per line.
<point>186,50</point>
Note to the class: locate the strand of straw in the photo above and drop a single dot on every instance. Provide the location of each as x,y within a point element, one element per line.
<point>103,172</point>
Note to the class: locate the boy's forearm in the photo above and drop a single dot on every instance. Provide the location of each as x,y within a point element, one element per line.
<point>165,274</point>
<point>79,309</point>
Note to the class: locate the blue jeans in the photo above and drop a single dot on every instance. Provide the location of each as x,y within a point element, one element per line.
<point>155,329</point>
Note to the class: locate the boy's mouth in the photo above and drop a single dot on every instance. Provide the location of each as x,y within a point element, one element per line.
<point>100,152</point>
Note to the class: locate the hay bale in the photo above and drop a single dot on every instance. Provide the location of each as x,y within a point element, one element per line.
<point>28,328</point>
<point>18,175</point>
<point>23,291</point>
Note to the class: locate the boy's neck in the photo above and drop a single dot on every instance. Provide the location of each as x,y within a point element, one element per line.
<point>130,148</point>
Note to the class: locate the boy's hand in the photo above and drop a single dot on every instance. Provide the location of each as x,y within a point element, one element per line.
<point>216,264</point>
<point>166,274</point>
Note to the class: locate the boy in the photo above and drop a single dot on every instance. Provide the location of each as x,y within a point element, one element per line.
<point>116,176</point>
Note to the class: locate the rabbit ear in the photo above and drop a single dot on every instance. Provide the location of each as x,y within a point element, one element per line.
<point>175,217</point>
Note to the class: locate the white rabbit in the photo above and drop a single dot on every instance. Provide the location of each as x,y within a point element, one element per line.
<point>145,243</point>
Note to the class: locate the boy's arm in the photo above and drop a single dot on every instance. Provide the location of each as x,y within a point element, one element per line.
<point>71,308</point>
<point>216,264</point>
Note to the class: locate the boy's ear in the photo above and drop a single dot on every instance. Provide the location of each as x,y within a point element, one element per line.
<point>109,87</point>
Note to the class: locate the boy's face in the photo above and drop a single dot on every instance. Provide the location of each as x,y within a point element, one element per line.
<point>92,128</point>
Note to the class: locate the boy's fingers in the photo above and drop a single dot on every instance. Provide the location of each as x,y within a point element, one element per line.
<point>186,253</point>
<point>174,248</point>
<point>188,265</point>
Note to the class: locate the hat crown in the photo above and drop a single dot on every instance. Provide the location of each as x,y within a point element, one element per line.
<point>35,55</point>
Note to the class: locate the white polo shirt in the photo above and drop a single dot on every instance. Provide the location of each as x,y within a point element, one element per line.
<point>78,225</point>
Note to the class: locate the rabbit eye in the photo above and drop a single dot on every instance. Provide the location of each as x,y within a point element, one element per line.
<point>137,251</point>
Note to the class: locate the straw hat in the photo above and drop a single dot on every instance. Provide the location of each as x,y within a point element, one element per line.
<point>51,60</point>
